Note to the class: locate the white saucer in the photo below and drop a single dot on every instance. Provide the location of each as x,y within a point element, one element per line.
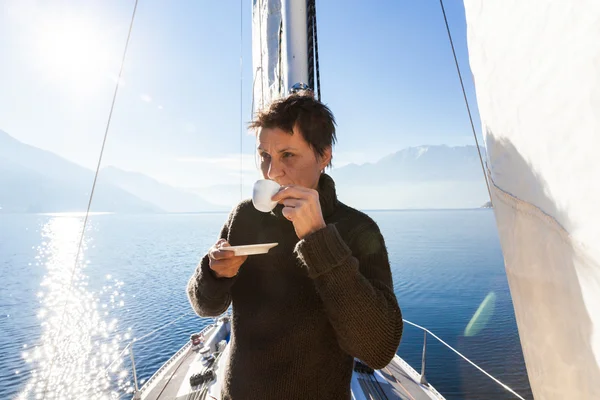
<point>250,249</point>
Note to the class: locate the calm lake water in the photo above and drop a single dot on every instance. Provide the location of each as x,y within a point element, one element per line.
<point>62,337</point>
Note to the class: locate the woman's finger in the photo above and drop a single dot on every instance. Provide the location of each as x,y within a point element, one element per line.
<point>294,192</point>
<point>294,203</point>
<point>289,212</point>
<point>217,254</point>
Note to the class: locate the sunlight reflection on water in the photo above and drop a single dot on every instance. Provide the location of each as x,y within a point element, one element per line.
<point>79,337</point>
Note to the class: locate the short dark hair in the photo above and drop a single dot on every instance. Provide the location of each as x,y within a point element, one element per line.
<point>314,119</point>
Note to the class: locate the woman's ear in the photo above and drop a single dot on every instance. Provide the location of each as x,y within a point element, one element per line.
<point>326,158</point>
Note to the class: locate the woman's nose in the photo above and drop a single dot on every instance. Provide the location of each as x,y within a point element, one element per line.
<point>275,171</point>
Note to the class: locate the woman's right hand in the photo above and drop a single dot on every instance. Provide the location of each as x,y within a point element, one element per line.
<point>225,264</point>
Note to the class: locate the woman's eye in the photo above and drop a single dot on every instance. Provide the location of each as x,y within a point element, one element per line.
<point>287,155</point>
<point>265,156</point>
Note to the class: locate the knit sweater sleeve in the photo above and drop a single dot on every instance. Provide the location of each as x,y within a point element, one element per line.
<point>356,288</point>
<point>210,296</point>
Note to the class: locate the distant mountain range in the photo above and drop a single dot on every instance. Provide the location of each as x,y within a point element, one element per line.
<point>437,176</point>
<point>35,180</point>
<point>417,164</point>
<point>417,177</point>
<point>168,198</point>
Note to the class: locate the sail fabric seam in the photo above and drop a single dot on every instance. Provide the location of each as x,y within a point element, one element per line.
<point>531,209</point>
<point>524,207</point>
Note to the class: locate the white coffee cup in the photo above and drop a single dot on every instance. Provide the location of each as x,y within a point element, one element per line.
<point>264,190</point>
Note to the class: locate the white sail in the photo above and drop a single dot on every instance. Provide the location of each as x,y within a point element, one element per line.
<point>536,66</point>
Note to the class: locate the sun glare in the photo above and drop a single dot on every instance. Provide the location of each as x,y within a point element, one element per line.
<point>77,355</point>
<point>75,51</point>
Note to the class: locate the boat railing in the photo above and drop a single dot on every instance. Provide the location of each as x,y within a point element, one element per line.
<point>423,379</point>
<point>128,349</point>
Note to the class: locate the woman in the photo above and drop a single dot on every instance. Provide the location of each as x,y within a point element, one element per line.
<point>324,295</point>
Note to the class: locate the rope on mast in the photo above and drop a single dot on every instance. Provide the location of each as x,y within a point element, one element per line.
<point>279,59</point>
<point>314,8</point>
<point>466,101</point>
<point>313,48</point>
<point>310,41</point>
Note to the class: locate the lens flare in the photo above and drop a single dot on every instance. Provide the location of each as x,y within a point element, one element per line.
<point>482,316</point>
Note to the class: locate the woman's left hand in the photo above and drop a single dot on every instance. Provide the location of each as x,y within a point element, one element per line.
<point>302,207</point>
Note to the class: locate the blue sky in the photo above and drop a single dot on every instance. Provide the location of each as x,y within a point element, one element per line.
<point>387,73</point>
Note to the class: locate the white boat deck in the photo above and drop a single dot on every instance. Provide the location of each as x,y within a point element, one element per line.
<point>396,381</point>
<point>173,381</point>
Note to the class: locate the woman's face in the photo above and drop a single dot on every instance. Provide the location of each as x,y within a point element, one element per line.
<point>288,159</point>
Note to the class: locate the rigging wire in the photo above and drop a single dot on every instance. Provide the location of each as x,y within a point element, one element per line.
<point>160,328</point>
<point>112,106</point>
<point>256,164</point>
<point>241,97</point>
<point>253,86</point>
<point>466,100</point>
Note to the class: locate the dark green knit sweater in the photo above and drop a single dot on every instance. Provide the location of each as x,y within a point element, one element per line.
<point>302,312</point>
